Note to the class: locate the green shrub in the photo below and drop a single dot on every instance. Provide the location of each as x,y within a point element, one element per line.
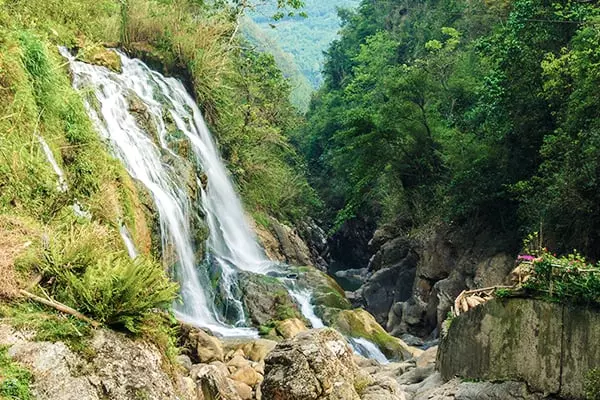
<point>565,279</point>
<point>14,379</point>
<point>108,286</point>
<point>119,291</point>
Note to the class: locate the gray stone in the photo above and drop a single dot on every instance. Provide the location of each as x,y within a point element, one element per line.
<point>121,369</point>
<point>315,365</point>
<point>214,385</point>
<point>549,346</point>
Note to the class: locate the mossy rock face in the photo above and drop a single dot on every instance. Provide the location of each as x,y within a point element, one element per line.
<point>266,300</point>
<point>99,55</point>
<point>326,291</point>
<point>360,324</point>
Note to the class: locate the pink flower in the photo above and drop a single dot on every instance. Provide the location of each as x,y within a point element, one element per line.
<point>526,257</point>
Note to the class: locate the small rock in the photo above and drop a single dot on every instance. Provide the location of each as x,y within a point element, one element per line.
<point>238,362</point>
<point>243,390</point>
<point>247,375</point>
<point>185,362</point>
<point>291,327</point>
<point>258,349</point>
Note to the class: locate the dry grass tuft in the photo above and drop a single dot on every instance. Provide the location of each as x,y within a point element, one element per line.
<point>14,235</point>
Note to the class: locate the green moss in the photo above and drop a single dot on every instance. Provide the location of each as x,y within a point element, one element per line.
<point>592,385</point>
<point>49,326</point>
<point>98,55</point>
<point>14,379</point>
<point>360,324</point>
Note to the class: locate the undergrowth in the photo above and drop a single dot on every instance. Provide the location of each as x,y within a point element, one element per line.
<point>14,379</point>
<point>104,284</point>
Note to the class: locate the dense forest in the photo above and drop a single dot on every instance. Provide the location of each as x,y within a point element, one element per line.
<point>482,114</point>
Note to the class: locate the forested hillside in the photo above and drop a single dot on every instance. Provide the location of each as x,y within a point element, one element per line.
<point>299,40</point>
<point>483,114</point>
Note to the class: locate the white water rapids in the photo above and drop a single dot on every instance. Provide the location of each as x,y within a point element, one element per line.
<point>112,100</point>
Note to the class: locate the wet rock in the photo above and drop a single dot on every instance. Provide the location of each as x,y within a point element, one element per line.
<point>266,299</point>
<point>360,324</point>
<point>99,55</point>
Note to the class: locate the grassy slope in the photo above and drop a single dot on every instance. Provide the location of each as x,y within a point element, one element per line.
<point>240,93</point>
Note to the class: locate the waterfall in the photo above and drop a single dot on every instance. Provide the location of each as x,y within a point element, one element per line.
<point>368,349</point>
<point>148,158</point>
<point>141,113</point>
<point>303,298</point>
<point>131,250</point>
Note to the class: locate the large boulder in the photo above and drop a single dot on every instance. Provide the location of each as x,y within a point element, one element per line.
<point>120,369</point>
<point>314,365</point>
<point>550,347</point>
<point>319,365</point>
<point>389,285</point>
<point>266,299</point>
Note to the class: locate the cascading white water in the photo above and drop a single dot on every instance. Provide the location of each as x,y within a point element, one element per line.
<point>62,183</point>
<point>231,243</point>
<point>131,250</point>
<point>368,349</point>
<point>303,298</point>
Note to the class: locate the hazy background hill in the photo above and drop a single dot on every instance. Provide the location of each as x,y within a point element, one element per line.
<point>298,43</point>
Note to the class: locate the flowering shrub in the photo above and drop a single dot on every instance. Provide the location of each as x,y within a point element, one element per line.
<point>566,279</point>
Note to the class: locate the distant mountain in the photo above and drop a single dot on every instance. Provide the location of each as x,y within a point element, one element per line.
<point>298,43</point>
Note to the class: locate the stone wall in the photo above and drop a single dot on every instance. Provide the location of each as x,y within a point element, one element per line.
<point>551,347</point>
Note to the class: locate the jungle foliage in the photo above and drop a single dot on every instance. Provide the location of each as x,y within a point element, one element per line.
<point>482,113</point>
